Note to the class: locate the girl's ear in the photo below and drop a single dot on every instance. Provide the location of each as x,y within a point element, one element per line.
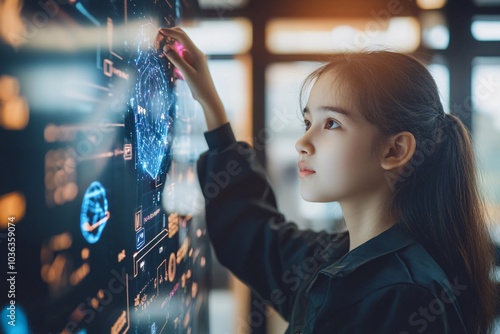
<point>398,150</point>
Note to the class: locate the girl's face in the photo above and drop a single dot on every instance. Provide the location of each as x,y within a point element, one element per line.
<point>337,146</point>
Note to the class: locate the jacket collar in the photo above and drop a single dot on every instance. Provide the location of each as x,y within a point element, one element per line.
<point>386,242</point>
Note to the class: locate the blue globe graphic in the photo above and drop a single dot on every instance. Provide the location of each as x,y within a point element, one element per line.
<point>94,213</point>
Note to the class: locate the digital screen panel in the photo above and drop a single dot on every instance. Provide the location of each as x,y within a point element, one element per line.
<point>106,241</point>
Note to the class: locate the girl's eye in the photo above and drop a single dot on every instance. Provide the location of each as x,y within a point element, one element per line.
<point>332,121</point>
<point>305,125</point>
<point>330,124</point>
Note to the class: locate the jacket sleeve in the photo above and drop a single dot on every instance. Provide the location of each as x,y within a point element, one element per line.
<point>249,235</point>
<point>397,309</point>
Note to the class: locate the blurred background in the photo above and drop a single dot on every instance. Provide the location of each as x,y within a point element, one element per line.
<point>259,52</point>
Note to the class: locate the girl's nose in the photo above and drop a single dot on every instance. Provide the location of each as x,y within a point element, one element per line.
<point>303,146</point>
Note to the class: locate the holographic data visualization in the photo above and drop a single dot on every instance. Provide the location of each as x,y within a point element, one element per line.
<point>152,101</point>
<point>99,248</point>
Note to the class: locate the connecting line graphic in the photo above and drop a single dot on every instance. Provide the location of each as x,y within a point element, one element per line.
<point>138,256</point>
<point>79,6</point>
<point>86,13</point>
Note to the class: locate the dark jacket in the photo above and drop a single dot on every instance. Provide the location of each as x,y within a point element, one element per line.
<point>389,284</point>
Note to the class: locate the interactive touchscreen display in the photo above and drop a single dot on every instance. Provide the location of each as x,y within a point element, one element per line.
<point>92,243</point>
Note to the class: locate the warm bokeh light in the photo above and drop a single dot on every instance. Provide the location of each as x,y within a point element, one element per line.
<point>60,176</point>
<point>431,4</point>
<point>233,36</point>
<point>9,87</point>
<point>78,275</point>
<point>12,30</point>
<point>61,242</point>
<point>50,133</point>
<point>14,109</point>
<point>306,36</point>
<point>85,253</point>
<point>14,114</point>
<point>12,205</point>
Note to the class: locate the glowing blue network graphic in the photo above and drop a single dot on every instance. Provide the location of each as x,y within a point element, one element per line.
<point>151,101</point>
<point>94,213</point>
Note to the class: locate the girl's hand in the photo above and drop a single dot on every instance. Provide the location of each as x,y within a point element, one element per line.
<point>192,63</point>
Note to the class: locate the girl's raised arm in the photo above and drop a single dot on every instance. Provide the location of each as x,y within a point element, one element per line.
<point>194,68</point>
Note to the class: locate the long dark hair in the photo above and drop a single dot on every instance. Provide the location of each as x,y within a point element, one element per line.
<point>435,197</point>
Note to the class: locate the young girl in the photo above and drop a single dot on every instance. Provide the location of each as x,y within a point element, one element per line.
<point>416,256</point>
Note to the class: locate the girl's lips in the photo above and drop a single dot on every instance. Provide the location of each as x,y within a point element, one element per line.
<point>305,172</point>
<point>302,166</point>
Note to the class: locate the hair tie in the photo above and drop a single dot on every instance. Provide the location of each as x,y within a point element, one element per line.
<point>446,119</point>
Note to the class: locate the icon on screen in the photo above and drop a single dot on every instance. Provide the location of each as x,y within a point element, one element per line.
<point>140,238</point>
<point>127,151</point>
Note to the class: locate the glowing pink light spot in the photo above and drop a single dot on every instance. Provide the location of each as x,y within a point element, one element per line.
<point>174,290</point>
<point>179,47</point>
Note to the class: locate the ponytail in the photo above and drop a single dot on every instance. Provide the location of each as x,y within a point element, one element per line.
<point>444,211</point>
